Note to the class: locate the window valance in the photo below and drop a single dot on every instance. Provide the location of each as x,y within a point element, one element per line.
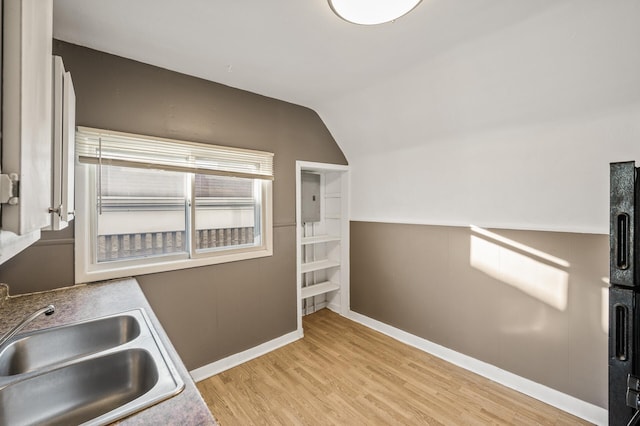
<point>95,146</point>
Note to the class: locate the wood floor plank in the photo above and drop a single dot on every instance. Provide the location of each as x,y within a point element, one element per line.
<point>342,373</point>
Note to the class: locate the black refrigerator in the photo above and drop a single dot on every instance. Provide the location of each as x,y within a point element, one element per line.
<point>624,295</point>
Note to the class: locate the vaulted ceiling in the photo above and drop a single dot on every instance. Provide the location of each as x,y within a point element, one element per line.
<point>369,82</point>
<point>297,51</point>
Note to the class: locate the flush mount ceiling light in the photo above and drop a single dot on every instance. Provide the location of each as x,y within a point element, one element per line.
<point>372,12</point>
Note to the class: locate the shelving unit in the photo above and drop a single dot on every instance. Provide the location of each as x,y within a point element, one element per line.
<point>318,289</point>
<point>319,239</point>
<point>322,238</point>
<point>318,265</point>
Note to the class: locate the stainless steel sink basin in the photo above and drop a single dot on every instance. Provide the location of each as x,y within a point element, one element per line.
<point>32,351</point>
<point>81,391</point>
<point>106,369</point>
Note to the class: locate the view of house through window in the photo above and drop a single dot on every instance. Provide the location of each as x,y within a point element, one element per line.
<point>227,212</point>
<point>140,213</point>
<point>146,212</point>
<point>147,204</point>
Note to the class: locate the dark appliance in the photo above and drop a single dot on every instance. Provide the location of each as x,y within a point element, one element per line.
<point>624,295</point>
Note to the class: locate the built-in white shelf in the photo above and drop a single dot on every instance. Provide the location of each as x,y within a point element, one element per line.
<point>319,239</point>
<point>322,238</point>
<point>318,265</point>
<point>318,289</point>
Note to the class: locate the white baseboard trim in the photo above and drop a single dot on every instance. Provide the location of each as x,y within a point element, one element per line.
<point>234,360</point>
<point>570,404</point>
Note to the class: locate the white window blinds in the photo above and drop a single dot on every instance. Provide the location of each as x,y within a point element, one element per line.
<point>95,146</point>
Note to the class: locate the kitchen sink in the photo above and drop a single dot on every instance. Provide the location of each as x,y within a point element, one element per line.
<point>90,373</point>
<point>81,391</point>
<point>32,351</point>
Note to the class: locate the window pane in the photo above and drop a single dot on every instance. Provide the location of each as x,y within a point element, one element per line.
<point>143,213</point>
<point>227,212</point>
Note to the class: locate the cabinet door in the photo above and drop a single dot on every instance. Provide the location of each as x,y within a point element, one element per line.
<point>68,149</point>
<point>26,109</point>
<point>64,121</point>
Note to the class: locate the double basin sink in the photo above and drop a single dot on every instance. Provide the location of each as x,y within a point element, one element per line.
<point>91,373</point>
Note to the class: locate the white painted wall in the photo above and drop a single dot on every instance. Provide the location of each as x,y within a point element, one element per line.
<point>515,129</point>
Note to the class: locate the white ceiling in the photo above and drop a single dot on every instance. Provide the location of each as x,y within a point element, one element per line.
<point>293,50</point>
<point>503,112</point>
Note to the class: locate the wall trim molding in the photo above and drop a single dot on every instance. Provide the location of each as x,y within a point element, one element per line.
<point>562,401</point>
<point>503,226</point>
<point>55,242</point>
<point>284,225</point>
<point>234,360</point>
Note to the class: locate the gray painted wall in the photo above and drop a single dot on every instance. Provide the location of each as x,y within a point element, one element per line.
<point>415,277</point>
<point>532,304</point>
<point>208,312</point>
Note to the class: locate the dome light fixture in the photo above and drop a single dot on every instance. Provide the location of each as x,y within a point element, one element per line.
<point>372,12</point>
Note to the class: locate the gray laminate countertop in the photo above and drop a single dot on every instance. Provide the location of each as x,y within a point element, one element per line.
<point>88,301</point>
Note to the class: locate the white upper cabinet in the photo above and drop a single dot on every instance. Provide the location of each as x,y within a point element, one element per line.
<point>68,176</point>
<point>64,121</point>
<point>26,169</point>
<point>26,108</point>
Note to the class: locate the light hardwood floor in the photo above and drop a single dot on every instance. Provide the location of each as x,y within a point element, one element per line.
<point>342,373</point>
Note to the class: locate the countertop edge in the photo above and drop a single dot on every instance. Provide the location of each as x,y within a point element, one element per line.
<point>88,301</point>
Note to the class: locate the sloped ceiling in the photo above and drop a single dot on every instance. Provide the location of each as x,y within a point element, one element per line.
<point>506,112</point>
<point>297,51</point>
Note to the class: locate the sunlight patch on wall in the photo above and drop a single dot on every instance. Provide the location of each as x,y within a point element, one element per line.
<point>541,280</point>
<point>519,246</point>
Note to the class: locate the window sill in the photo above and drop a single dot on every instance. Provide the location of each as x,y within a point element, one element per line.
<point>105,271</point>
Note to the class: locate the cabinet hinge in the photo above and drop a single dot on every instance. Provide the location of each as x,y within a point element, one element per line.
<point>9,189</point>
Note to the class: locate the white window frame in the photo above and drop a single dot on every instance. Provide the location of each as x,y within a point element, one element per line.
<point>87,269</point>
